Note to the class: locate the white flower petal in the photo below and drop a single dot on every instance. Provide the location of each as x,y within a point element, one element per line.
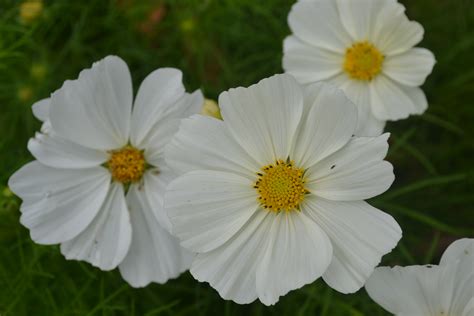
<point>157,95</point>
<point>329,122</point>
<point>458,259</point>
<point>371,127</point>
<point>392,101</point>
<point>386,19</point>
<point>461,274</point>
<point>396,34</point>
<point>410,68</point>
<point>355,172</point>
<point>52,150</point>
<point>154,255</point>
<point>58,204</point>
<point>469,308</point>
<point>359,93</point>
<point>309,63</point>
<point>94,110</point>
<point>166,125</point>
<point>155,182</point>
<point>318,24</point>
<point>424,290</point>
<point>360,235</point>
<point>207,207</point>
<point>264,117</point>
<point>41,109</point>
<point>105,242</point>
<point>204,143</point>
<point>458,250</point>
<point>406,291</point>
<point>231,268</point>
<point>298,253</point>
<point>428,290</point>
<point>359,17</point>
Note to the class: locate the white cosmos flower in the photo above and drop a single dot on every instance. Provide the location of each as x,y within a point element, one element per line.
<point>365,47</point>
<point>271,198</point>
<point>444,290</point>
<point>98,183</point>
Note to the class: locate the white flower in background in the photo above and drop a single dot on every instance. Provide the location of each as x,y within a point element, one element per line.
<point>98,183</point>
<point>365,47</point>
<point>444,290</point>
<point>271,198</point>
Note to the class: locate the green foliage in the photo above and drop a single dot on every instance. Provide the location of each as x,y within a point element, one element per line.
<point>221,44</point>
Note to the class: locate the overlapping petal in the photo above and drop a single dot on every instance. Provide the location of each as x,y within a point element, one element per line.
<point>205,143</point>
<point>397,34</point>
<point>317,23</point>
<point>41,109</point>
<point>410,68</point>
<point>207,208</point>
<point>105,242</point>
<point>406,291</point>
<point>59,204</point>
<point>329,122</point>
<point>231,269</point>
<point>359,93</point>
<point>360,235</point>
<point>156,97</point>
<point>155,181</point>
<point>392,101</point>
<point>263,118</point>
<point>428,290</point>
<point>166,125</point>
<point>154,255</point>
<point>54,151</point>
<point>461,249</point>
<point>359,17</point>
<point>94,110</point>
<point>355,172</point>
<point>309,63</point>
<point>298,252</point>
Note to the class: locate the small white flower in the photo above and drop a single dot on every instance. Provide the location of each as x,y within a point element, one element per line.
<point>444,290</point>
<point>98,183</point>
<point>365,47</point>
<point>271,198</point>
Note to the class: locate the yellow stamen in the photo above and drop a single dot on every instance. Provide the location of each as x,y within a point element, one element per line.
<point>281,186</point>
<point>210,108</point>
<point>127,164</point>
<point>363,61</point>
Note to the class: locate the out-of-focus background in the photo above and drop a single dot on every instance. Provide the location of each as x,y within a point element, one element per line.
<point>221,44</point>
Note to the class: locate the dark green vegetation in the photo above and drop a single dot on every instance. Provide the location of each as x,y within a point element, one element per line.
<point>218,45</point>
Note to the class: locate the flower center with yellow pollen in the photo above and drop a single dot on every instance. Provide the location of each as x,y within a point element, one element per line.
<point>127,164</point>
<point>281,186</point>
<point>363,61</point>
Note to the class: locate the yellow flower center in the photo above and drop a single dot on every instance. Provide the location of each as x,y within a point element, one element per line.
<point>127,164</point>
<point>363,61</point>
<point>281,186</point>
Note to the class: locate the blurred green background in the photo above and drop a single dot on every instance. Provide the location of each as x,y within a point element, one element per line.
<point>218,45</point>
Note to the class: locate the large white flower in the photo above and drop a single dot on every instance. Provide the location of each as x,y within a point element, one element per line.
<point>366,48</point>
<point>444,290</point>
<point>98,183</point>
<point>271,198</point>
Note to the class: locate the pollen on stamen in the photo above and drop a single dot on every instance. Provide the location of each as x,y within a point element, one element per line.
<point>363,61</point>
<point>281,186</point>
<point>127,165</point>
